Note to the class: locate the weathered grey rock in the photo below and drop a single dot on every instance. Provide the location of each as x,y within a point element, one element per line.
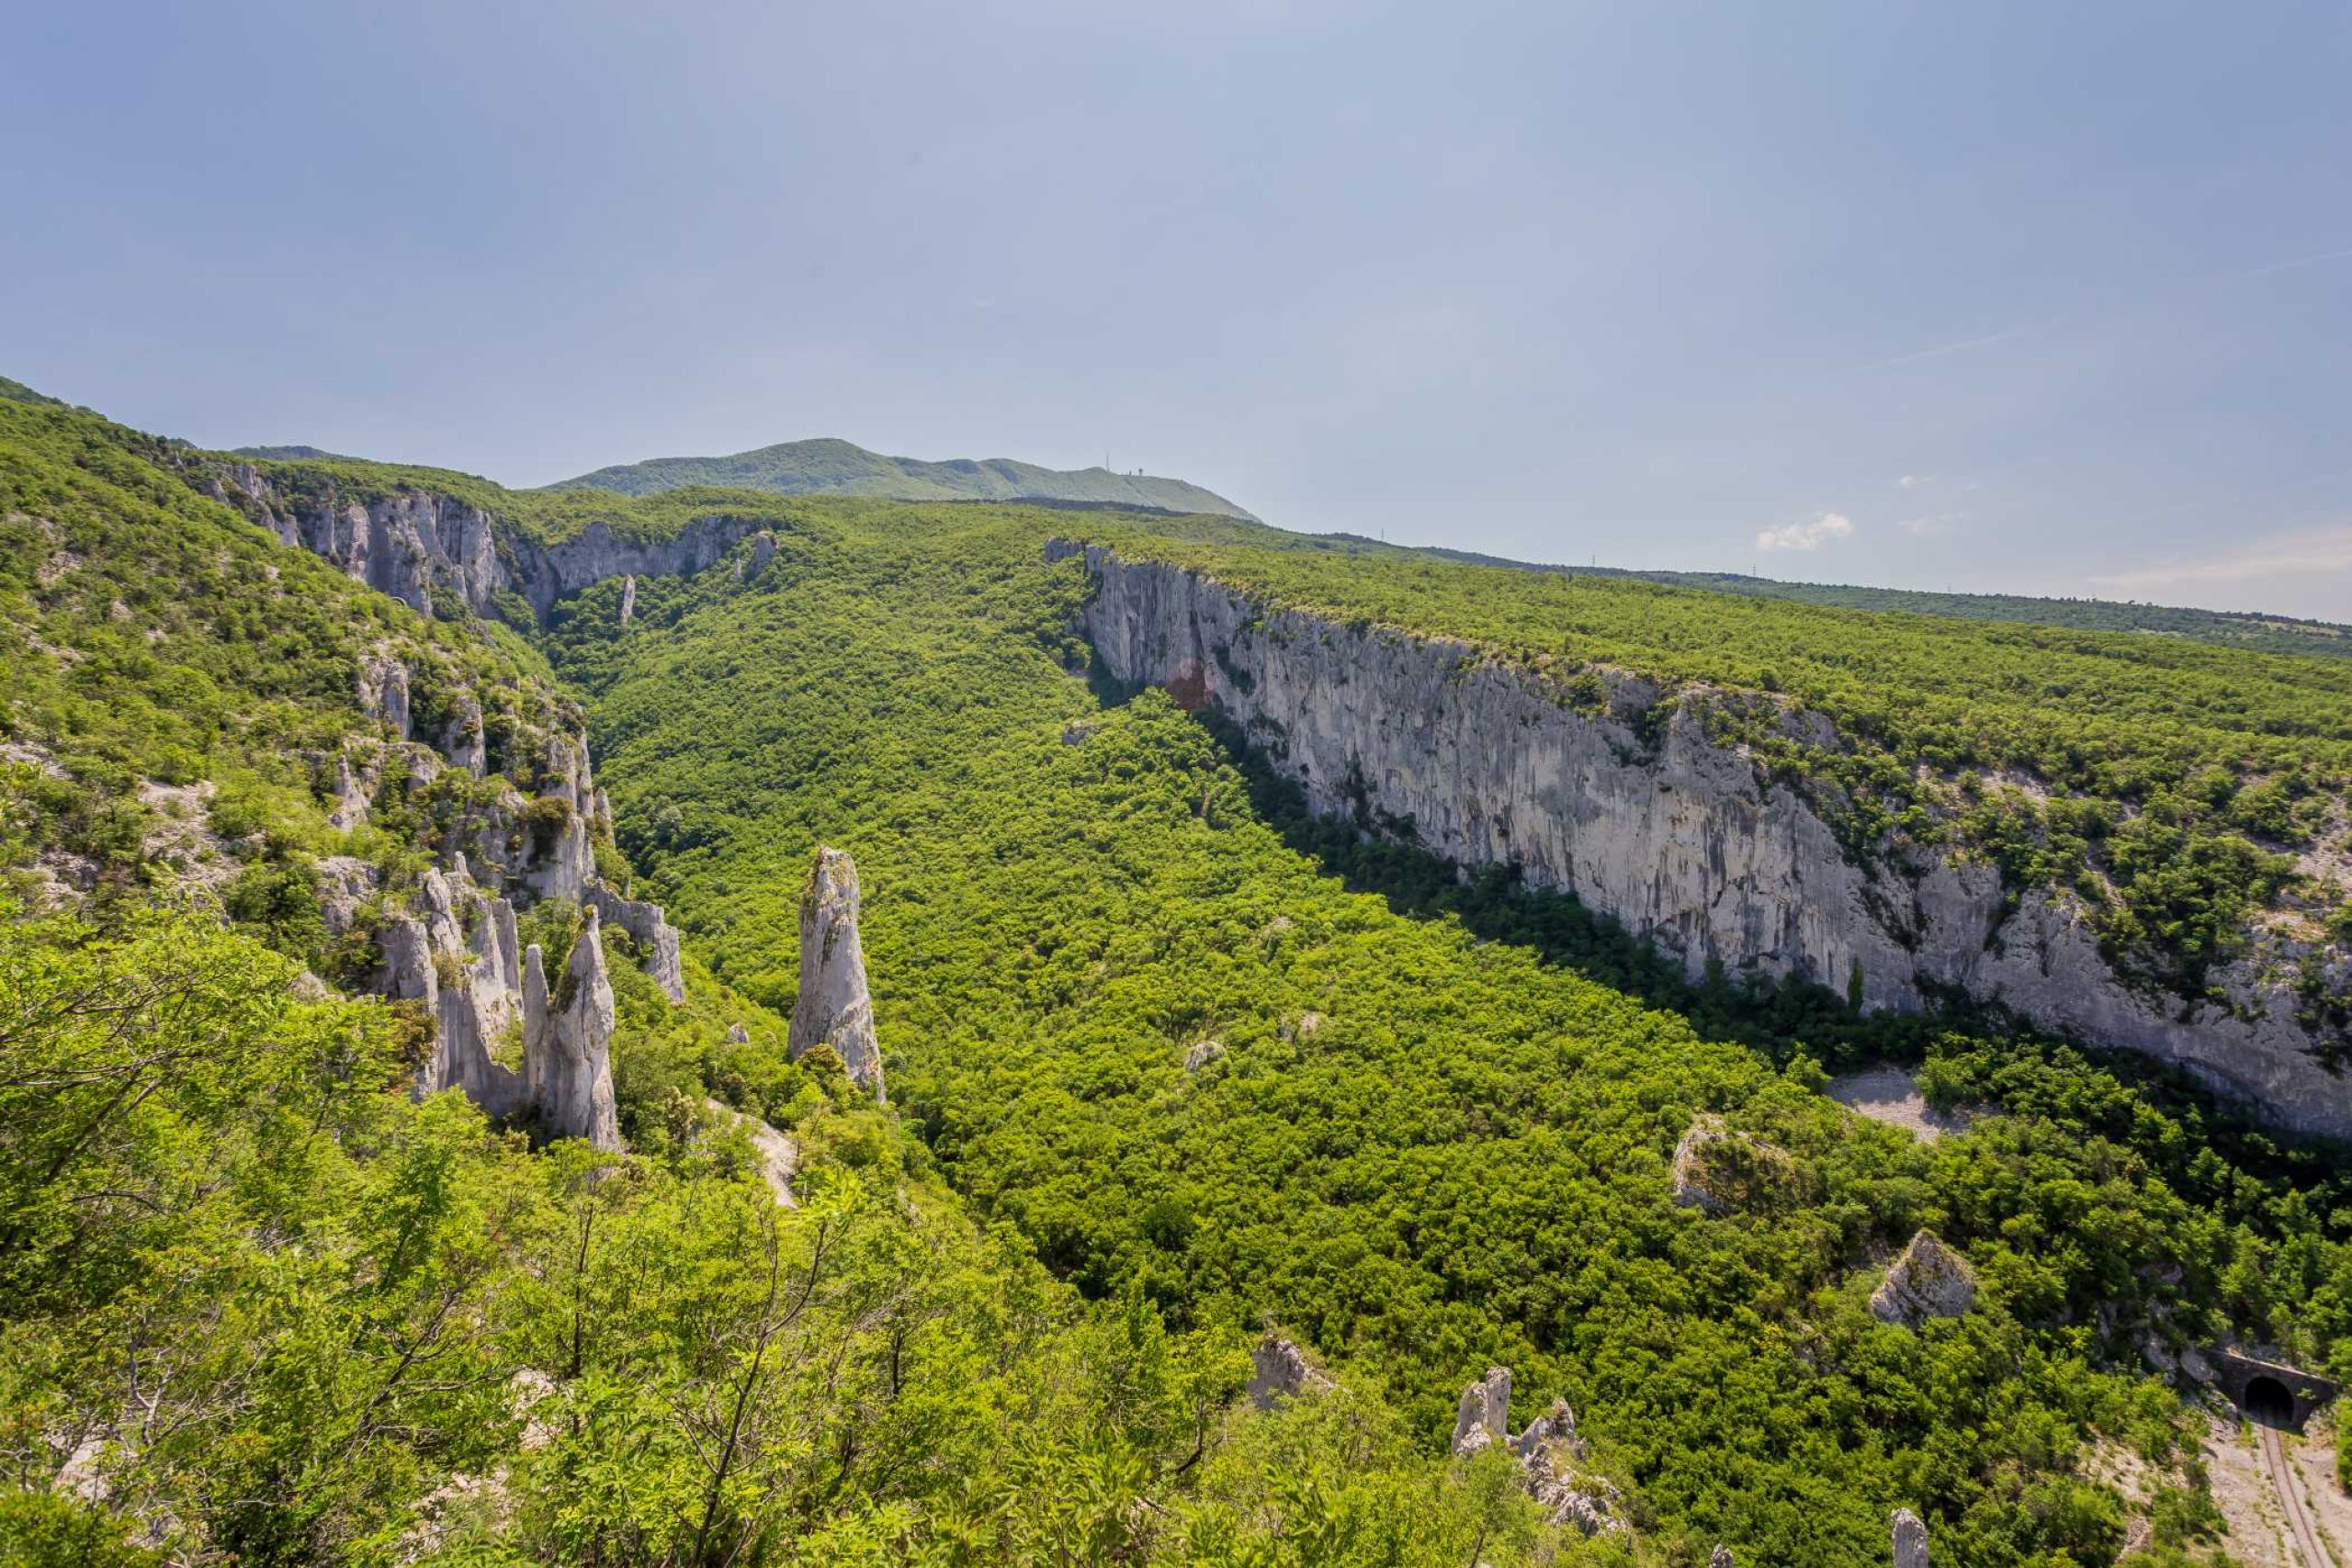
<point>738,1035</point>
<point>763,552</point>
<point>464,941</point>
<point>566,1045</point>
<point>1689,1173</point>
<point>1720,1558</point>
<point>383,693</point>
<point>464,743</point>
<point>1928,1280</point>
<point>419,545</point>
<point>833,1008</point>
<point>1201,1052</point>
<point>1279,1370</point>
<point>1910,1539</point>
<point>1548,1453</point>
<point>1556,1427</point>
<point>1717,1169</point>
<point>656,938</point>
<point>628,601</point>
<point>1483,1415</point>
<point>779,1155</point>
<point>1629,804</point>
<point>351,806</point>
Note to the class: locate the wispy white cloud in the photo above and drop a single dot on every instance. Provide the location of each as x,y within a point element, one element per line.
<point>1941,350</point>
<point>1913,481</point>
<point>2292,263</point>
<point>2298,554</point>
<point>1926,528</point>
<point>1805,535</point>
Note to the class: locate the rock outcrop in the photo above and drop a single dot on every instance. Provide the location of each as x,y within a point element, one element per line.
<point>567,1044</point>
<point>1717,1170</point>
<point>452,945</point>
<point>1483,1419</point>
<point>455,951</point>
<point>1548,1453</point>
<point>655,938</point>
<point>1910,1539</point>
<point>1928,1280</point>
<point>833,1006</point>
<point>440,554</point>
<point>779,1157</point>
<point>1626,802</point>
<point>1279,1370</point>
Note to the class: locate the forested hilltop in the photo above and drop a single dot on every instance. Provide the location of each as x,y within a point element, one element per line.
<point>841,468</point>
<point>1176,1063</point>
<point>2226,628</point>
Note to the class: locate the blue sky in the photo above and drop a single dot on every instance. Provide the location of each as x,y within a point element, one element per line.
<point>1993,296</point>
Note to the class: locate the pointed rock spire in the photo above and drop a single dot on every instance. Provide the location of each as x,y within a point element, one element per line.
<point>833,1008</point>
<point>1484,1416</point>
<point>567,1044</point>
<point>1910,1539</point>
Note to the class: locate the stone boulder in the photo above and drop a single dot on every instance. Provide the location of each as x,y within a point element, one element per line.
<point>833,1008</point>
<point>1717,1170</point>
<point>1928,1280</point>
<point>1279,1370</point>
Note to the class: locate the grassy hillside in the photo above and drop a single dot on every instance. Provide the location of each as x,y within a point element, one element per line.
<point>2225,629</point>
<point>1427,1149</point>
<point>2171,784</point>
<point>838,467</point>
<point>258,1305</point>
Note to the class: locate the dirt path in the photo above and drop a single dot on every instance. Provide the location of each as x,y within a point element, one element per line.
<point>2291,1500</point>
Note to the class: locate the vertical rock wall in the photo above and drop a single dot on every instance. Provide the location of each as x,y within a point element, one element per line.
<point>1650,821</point>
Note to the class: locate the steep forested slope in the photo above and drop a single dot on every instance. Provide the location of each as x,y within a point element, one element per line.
<point>1182,1055</point>
<point>259,1304</point>
<point>1184,1058</point>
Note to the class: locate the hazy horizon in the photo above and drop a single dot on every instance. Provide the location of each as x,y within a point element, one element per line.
<point>1999,301</point>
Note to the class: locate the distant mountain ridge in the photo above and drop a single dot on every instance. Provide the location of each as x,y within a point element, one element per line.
<point>2254,631</point>
<point>830,466</point>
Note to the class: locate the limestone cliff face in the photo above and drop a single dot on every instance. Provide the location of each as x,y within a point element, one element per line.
<point>1654,823</point>
<point>833,1008</point>
<point>419,545</point>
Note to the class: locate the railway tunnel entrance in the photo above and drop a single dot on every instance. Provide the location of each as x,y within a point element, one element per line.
<point>2266,1403</point>
<point>2269,1394</point>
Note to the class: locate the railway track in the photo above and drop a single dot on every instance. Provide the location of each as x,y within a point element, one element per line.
<point>2304,1537</point>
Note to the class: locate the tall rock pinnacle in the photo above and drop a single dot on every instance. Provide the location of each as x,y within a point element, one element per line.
<point>833,1009</point>
<point>567,1044</point>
